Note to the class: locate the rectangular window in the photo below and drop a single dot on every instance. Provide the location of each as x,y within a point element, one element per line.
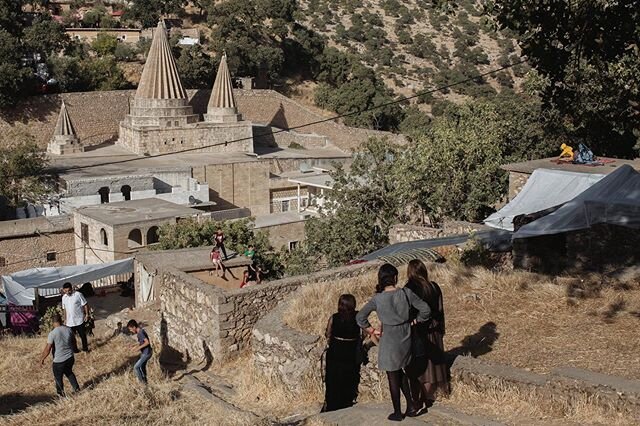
<point>293,245</point>
<point>285,206</point>
<point>84,233</point>
<point>52,256</point>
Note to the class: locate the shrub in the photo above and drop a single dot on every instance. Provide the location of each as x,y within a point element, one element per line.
<point>46,321</point>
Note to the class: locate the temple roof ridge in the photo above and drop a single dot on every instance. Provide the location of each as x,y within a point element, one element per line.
<point>160,78</point>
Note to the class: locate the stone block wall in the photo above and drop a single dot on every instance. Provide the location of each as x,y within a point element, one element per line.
<point>402,233</point>
<point>282,235</point>
<point>516,182</point>
<point>24,243</point>
<point>202,320</point>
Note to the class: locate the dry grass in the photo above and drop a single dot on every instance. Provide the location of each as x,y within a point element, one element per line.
<point>540,322</point>
<point>114,395</point>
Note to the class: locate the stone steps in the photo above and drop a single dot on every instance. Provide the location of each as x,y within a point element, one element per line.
<point>376,414</point>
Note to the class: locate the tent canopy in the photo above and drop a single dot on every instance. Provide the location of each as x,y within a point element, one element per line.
<point>545,188</point>
<point>19,287</point>
<point>613,200</point>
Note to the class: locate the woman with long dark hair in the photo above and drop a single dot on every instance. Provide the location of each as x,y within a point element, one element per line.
<point>394,354</point>
<point>343,359</point>
<point>428,370</point>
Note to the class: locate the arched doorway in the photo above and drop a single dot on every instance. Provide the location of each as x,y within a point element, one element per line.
<point>135,239</point>
<point>126,192</point>
<point>104,194</point>
<point>152,235</point>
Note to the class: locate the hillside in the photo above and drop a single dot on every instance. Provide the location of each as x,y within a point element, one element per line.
<point>415,45</point>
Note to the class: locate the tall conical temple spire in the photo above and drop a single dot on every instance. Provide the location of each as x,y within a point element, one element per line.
<point>160,79</point>
<point>222,104</point>
<point>64,139</point>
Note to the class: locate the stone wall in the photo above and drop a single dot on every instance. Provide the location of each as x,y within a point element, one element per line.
<point>96,115</point>
<point>24,243</point>
<point>202,320</point>
<point>403,233</point>
<point>291,355</point>
<point>281,235</point>
<point>516,182</point>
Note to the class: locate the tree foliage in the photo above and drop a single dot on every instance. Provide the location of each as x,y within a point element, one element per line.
<point>195,67</point>
<point>589,52</point>
<point>22,169</point>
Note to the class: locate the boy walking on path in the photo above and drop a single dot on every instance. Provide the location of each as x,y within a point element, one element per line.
<point>219,240</point>
<point>76,310</point>
<point>144,346</point>
<point>63,343</point>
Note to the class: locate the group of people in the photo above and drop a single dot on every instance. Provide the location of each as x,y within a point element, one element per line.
<point>62,344</point>
<point>410,339</point>
<point>253,273</point>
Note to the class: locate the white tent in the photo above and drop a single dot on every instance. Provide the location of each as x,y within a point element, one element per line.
<point>613,200</point>
<point>545,188</point>
<point>19,287</point>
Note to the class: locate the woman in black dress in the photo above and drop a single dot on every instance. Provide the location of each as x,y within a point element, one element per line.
<point>428,370</point>
<point>344,356</point>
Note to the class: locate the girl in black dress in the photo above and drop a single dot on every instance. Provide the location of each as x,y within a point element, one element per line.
<point>344,356</point>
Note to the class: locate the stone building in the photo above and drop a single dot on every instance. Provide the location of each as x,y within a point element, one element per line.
<point>105,233</point>
<point>161,120</point>
<point>64,139</point>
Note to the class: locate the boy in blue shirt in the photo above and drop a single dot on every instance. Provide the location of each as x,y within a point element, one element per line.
<point>144,346</point>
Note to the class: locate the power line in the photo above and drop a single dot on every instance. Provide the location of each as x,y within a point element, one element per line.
<point>312,123</point>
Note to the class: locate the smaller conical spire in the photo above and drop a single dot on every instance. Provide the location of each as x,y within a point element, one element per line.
<point>222,93</point>
<point>64,127</point>
<point>222,104</point>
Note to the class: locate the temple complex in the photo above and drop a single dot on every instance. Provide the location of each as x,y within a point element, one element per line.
<point>161,120</point>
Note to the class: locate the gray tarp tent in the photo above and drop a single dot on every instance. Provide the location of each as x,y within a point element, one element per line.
<point>614,200</point>
<point>19,288</point>
<point>545,188</point>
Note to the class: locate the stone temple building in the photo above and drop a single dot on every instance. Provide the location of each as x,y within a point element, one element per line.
<point>161,120</point>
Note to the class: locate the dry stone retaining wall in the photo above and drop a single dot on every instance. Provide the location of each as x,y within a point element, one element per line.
<point>404,233</point>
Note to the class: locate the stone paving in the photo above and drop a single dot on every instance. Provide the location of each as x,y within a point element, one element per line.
<point>376,414</point>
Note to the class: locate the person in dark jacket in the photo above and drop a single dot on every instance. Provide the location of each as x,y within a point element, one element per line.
<point>344,356</point>
<point>428,371</point>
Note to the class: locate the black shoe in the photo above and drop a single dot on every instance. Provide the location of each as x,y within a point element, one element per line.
<point>395,417</point>
<point>429,403</point>
<point>412,412</point>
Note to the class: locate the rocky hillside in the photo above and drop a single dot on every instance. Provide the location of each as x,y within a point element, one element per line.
<point>419,44</point>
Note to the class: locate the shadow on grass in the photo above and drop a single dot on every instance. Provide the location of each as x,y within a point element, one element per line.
<point>477,344</point>
<point>126,365</point>
<point>12,403</point>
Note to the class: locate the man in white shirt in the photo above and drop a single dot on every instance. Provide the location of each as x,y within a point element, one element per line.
<point>76,310</point>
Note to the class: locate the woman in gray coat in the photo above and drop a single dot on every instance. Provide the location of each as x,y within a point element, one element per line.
<point>394,353</point>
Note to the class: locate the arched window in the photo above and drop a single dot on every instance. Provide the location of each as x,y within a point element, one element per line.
<point>103,237</point>
<point>126,192</point>
<point>135,238</point>
<point>104,194</point>
<point>152,235</point>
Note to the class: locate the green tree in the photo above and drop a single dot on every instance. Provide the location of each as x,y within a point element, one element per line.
<point>105,44</point>
<point>589,53</point>
<point>361,207</point>
<point>22,169</point>
<point>195,67</point>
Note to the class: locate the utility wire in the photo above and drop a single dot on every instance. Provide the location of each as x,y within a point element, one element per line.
<point>312,123</point>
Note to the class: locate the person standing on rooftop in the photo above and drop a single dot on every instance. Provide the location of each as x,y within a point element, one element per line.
<point>219,238</point>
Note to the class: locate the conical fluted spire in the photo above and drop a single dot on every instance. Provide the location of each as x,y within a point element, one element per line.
<point>64,127</point>
<point>222,93</point>
<point>160,79</point>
